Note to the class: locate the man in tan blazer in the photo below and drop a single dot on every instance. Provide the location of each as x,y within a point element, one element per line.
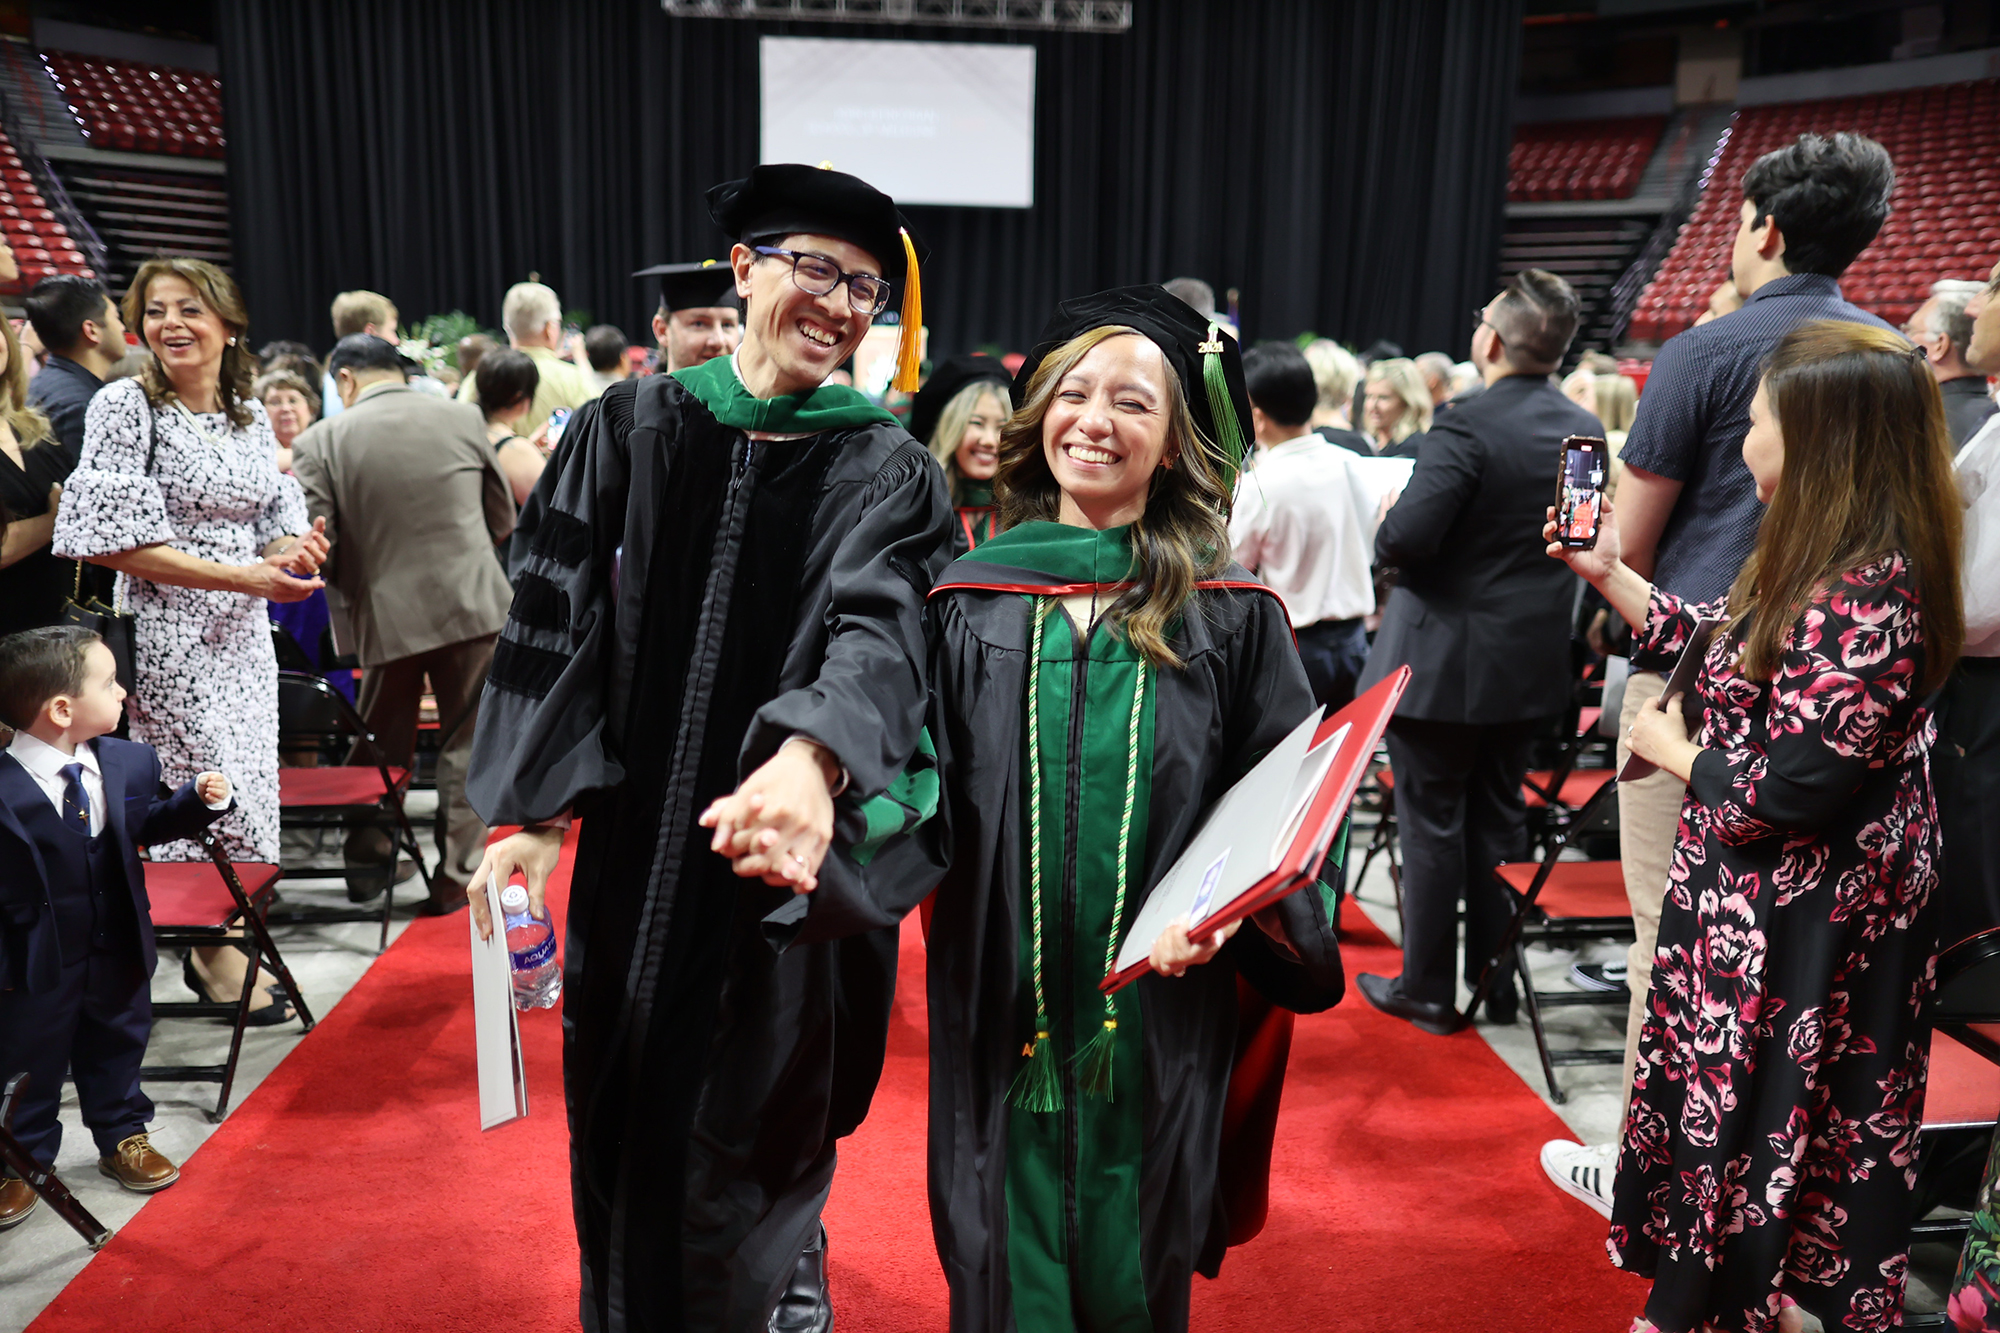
<point>414,502</point>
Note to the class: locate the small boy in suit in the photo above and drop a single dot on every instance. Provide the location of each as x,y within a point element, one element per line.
<point>76,931</point>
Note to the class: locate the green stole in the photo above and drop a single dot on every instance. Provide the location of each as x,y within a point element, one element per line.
<point>976,511</point>
<point>829,407</point>
<point>1076,1127</point>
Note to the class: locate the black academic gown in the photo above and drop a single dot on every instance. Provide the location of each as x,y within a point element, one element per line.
<point>1241,691</point>
<point>686,599</point>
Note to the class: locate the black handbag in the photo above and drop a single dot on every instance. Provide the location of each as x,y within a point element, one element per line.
<point>115,625</point>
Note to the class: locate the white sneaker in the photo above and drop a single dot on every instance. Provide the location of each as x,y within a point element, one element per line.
<point>1582,1172</point>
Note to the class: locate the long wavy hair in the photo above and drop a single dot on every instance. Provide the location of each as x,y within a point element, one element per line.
<point>1182,537</point>
<point>218,291</point>
<point>1867,471</point>
<point>950,432</point>
<point>30,427</point>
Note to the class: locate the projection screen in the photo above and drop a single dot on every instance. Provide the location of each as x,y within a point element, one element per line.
<point>926,122</point>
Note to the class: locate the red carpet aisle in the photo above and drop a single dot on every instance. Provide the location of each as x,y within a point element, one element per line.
<point>351,1191</point>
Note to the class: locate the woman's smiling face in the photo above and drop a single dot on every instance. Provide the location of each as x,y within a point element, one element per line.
<point>978,456</point>
<point>180,329</point>
<point>1105,431</point>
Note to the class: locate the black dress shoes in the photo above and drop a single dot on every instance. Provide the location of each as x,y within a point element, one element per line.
<point>805,1307</point>
<point>1386,994</point>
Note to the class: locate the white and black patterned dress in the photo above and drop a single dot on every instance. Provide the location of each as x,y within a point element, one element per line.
<point>207,687</point>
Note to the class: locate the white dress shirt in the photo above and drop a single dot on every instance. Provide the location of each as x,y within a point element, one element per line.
<point>1294,523</point>
<point>1978,467</point>
<point>45,764</point>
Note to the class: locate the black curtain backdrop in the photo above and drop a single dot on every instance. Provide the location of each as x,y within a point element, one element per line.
<point>1341,162</point>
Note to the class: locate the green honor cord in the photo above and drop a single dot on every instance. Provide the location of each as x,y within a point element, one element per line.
<point>1037,1088</point>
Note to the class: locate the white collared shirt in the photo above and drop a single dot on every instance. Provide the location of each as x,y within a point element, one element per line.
<point>1978,467</point>
<point>45,764</point>
<point>1294,523</point>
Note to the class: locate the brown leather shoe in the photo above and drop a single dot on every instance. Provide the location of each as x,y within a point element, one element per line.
<point>139,1166</point>
<point>16,1202</point>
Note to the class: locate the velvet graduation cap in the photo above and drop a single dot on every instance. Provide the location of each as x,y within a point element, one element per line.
<point>1201,352</point>
<point>694,286</point>
<point>947,378</point>
<point>788,198</point>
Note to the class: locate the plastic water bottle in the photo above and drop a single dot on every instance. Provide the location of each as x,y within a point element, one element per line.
<point>531,944</point>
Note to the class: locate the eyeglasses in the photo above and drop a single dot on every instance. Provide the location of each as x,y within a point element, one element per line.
<point>816,275</point>
<point>1479,321</point>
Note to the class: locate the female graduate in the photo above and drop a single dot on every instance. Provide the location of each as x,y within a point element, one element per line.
<point>959,413</point>
<point>1100,675</point>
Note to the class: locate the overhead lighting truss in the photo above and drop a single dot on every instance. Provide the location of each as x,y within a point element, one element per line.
<point>1046,15</point>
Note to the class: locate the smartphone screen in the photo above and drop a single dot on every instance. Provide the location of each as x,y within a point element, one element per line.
<point>1580,492</point>
<point>558,419</point>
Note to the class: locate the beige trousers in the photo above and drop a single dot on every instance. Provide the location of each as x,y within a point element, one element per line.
<point>1649,813</point>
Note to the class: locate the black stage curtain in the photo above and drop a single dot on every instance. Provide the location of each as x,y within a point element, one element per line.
<point>1341,162</point>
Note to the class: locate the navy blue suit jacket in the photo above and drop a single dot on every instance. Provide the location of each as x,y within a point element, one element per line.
<point>136,816</point>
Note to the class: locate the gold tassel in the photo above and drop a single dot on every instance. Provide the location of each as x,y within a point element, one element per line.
<point>909,354</point>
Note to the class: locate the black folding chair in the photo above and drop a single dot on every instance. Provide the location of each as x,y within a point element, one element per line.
<point>352,785</point>
<point>197,903</point>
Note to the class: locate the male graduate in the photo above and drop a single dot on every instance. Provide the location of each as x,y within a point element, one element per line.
<point>700,317</point>
<point>716,653</point>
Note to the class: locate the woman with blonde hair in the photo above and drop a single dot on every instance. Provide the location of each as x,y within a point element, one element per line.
<point>1101,672</point>
<point>1395,407</point>
<point>34,581</point>
<point>291,403</point>
<point>958,415</point>
<point>179,491</point>
<point>1769,1151</point>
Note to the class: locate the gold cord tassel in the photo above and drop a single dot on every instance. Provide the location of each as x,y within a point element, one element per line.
<point>909,351</point>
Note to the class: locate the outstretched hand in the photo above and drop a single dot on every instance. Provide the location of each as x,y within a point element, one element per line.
<point>778,825</point>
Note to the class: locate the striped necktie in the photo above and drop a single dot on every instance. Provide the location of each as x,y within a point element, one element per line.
<point>75,804</point>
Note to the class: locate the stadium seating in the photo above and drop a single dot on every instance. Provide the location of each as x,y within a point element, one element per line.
<point>1581,159</point>
<point>1946,223</point>
<point>139,108</point>
<point>42,246</point>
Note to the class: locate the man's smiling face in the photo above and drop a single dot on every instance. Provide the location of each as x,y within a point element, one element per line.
<point>803,337</point>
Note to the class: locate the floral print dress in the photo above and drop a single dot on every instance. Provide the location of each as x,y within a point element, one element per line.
<point>206,694</point>
<point>1771,1142</point>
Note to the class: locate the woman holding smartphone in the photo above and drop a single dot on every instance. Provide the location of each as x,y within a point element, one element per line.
<point>1100,675</point>
<point>1768,1154</point>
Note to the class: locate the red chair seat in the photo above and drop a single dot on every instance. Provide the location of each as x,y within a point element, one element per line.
<point>191,894</point>
<point>339,784</point>
<point>1964,1087</point>
<point>1577,788</point>
<point>1575,888</point>
<point>1586,719</point>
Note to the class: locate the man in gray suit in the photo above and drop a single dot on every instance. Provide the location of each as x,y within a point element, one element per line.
<point>413,501</point>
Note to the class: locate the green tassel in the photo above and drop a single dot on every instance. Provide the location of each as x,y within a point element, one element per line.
<point>1093,1062</point>
<point>1222,409</point>
<point>1036,1088</point>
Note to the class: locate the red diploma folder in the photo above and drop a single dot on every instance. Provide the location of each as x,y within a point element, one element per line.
<point>1266,836</point>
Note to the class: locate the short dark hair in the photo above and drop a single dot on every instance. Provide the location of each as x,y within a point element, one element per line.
<point>285,349</point>
<point>1829,194</point>
<point>1194,292</point>
<point>38,664</point>
<point>359,352</point>
<point>505,378</point>
<point>1536,319</point>
<point>605,346</point>
<point>59,305</point>
<point>1280,381</point>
